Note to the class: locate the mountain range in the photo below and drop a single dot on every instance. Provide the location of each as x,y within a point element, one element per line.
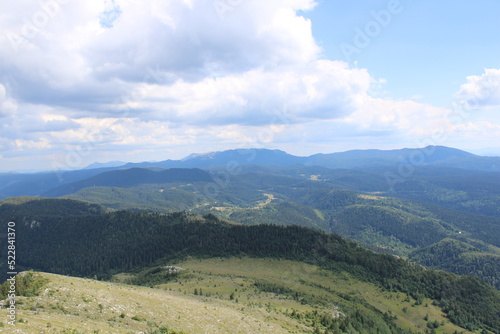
<point>395,164</point>
<point>430,155</point>
<point>435,206</point>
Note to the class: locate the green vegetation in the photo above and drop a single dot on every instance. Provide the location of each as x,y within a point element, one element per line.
<point>283,213</point>
<point>458,189</point>
<point>464,203</point>
<point>131,177</point>
<point>309,197</point>
<point>27,284</point>
<point>105,244</point>
<point>36,206</point>
<point>256,275</point>
<point>463,258</point>
<point>410,229</point>
<point>323,300</point>
<point>84,306</point>
<point>158,198</point>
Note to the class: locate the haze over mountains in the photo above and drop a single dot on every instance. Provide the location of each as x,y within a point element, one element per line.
<point>435,206</point>
<point>430,155</point>
<point>178,167</point>
<point>374,160</point>
<point>398,201</point>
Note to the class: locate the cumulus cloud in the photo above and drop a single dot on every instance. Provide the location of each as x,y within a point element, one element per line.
<point>481,90</point>
<point>7,106</point>
<point>134,77</point>
<point>84,54</point>
<point>187,39</point>
<point>195,63</point>
<point>403,116</point>
<point>319,90</point>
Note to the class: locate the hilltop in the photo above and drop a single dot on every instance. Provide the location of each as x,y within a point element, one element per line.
<point>104,245</point>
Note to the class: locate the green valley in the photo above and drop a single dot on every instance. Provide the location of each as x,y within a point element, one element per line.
<point>260,248</point>
<point>135,248</point>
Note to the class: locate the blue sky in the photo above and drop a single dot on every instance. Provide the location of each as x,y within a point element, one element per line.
<point>133,80</point>
<point>427,49</point>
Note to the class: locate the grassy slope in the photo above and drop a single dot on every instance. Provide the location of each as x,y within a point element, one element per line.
<point>69,303</point>
<point>320,290</point>
<point>84,208</point>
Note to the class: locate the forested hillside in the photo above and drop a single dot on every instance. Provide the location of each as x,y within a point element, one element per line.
<point>463,258</point>
<point>317,197</point>
<point>104,244</point>
<point>438,215</point>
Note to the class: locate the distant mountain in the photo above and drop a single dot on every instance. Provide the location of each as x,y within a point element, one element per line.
<point>36,184</point>
<point>229,158</point>
<point>49,207</point>
<point>429,155</point>
<point>247,157</point>
<point>354,159</point>
<point>154,198</point>
<point>132,177</point>
<point>106,164</point>
<point>444,213</point>
<point>232,160</point>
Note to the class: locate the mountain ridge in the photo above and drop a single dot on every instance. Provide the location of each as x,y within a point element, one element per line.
<point>133,176</point>
<point>108,243</point>
<point>37,184</point>
<point>353,159</point>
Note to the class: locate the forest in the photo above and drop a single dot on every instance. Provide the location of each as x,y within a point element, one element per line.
<point>91,243</point>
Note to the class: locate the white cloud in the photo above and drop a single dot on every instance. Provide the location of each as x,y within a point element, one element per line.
<point>70,59</point>
<point>481,90</point>
<point>319,90</point>
<point>43,143</point>
<point>404,116</point>
<point>98,79</point>
<point>190,41</point>
<point>7,106</point>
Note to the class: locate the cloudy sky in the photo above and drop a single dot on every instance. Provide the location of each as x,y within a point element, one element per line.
<point>149,80</point>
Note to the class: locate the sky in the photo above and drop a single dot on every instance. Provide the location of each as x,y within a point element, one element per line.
<point>150,80</point>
